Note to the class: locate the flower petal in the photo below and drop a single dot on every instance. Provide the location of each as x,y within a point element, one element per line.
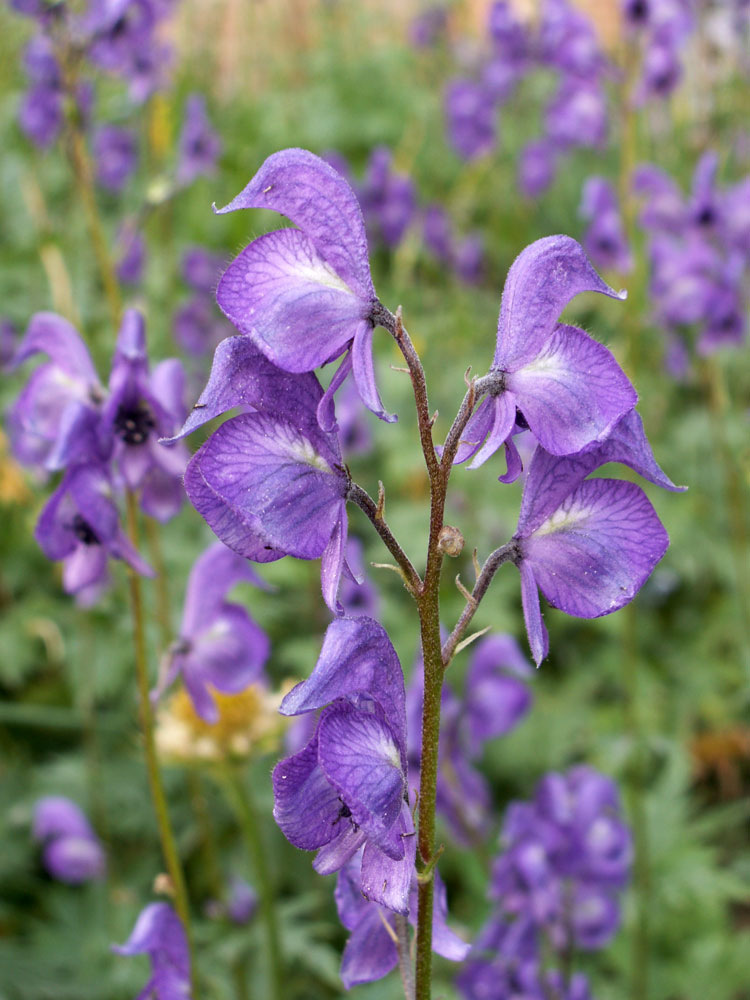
<point>289,300</point>
<point>241,375</point>
<point>370,953</point>
<point>364,372</point>
<point>214,573</point>
<point>318,200</point>
<point>573,392</point>
<point>387,881</point>
<point>267,472</point>
<point>306,805</point>
<point>541,282</point>
<point>532,614</point>
<point>332,564</point>
<point>52,335</point>
<point>595,552</point>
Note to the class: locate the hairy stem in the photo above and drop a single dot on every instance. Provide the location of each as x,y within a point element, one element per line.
<point>239,797</point>
<point>166,834</point>
<point>365,502</point>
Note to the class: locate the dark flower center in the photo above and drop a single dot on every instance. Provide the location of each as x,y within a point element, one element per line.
<point>705,216</point>
<point>521,420</point>
<point>84,532</point>
<point>134,423</point>
<point>639,10</point>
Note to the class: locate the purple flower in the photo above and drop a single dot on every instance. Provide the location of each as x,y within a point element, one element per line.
<point>358,594</point>
<point>118,29</point>
<point>470,119</point>
<point>242,901</point>
<point>53,422</point>
<point>577,114</point>
<point>8,341</point>
<point>469,259</point>
<point>388,199</point>
<point>197,327</point>
<point>347,787</point>
<point>537,167</point>
<point>115,155</point>
<point>141,409</point>
<point>305,295</point>
<point>736,217</point>
<point>605,239</point>
<point>219,645</point>
<point>199,144</point>
<point>41,115</point>
<point>588,544</point>
<point>72,851</point>
<point>201,269</point>
<point>437,233</point>
<point>271,482</point>
<point>159,934</point>
<point>509,38</point>
<point>429,26</point>
<point>568,41</point>
<point>370,951</point>
<point>569,388</point>
<point>79,525</point>
<point>130,254</point>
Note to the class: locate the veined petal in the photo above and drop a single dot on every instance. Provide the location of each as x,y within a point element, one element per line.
<point>370,953</point>
<point>241,375</point>
<point>594,553</point>
<point>541,282</point>
<point>358,752</point>
<point>357,656</point>
<point>285,296</point>
<point>387,881</point>
<point>333,855</point>
<point>318,200</point>
<point>573,392</point>
<point>306,805</point>
<point>532,614</point>
<point>364,372</point>
<point>236,528</point>
<point>270,474</point>
<point>551,478</point>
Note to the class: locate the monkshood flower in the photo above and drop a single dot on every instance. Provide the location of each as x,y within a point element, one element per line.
<point>437,233</point>
<point>537,167</point>
<point>199,144</point>
<point>388,199</point>
<point>72,851</point>
<point>197,328</point>
<point>159,934</point>
<point>569,388</point>
<point>115,156</point>
<point>80,525</point>
<point>219,646</point>
<point>510,40</point>
<point>141,408</point>
<point>605,240</point>
<point>589,545</point>
<point>577,114</point>
<point>117,30</point>
<point>346,789</point>
<point>370,951</point>
<point>470,118</point>
<point>54,420</point>
<point>269,483</point>
<point>242,901</point>
<point>567,856</point>
<point>496,699</point>
<point>304,296</point>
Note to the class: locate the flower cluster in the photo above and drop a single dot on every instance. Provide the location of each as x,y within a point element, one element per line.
<point>562,41</point>
<point>660,29</point>
<point>72,851</point>
<point>566,858</point>
<point>699,255</point>
<point>104,441</point>
<point>196,327</point>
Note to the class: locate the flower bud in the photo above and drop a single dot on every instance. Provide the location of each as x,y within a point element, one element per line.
<point>450,541</point>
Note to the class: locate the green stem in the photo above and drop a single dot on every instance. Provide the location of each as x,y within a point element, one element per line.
<point>166,834</point>
<point>240,799</point>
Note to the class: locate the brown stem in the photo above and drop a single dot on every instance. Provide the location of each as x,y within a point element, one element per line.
<point>365,502</point>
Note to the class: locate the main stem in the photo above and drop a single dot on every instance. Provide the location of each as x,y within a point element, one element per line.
<point>242,803</point>
<point>166,834</point>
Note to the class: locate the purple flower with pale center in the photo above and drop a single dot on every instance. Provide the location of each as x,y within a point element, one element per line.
<point>219,645</point>
<point>80,525</point>
<point>270,482</point>
<point>199,144</point>
<point>115,156</point>
<point>470,119</point>
<point>370,951</point>
<point>143,407</point>
<point>577,114</point>
<point>589,545</point>
<point>605,240</point>
<point>159,934</point>
<point>72,851</point>
<point>304,296</point>
<point>54,420</point>
<point>346,789</point>
<point>388,199</point>
<point>568,387</point>
<point>537,167</point>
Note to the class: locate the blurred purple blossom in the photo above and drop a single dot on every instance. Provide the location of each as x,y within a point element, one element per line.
<point>605,240</point>
<point>115,156</point>
<point>159,934</point>
<point>199,144</point>
<point>72,851</point>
